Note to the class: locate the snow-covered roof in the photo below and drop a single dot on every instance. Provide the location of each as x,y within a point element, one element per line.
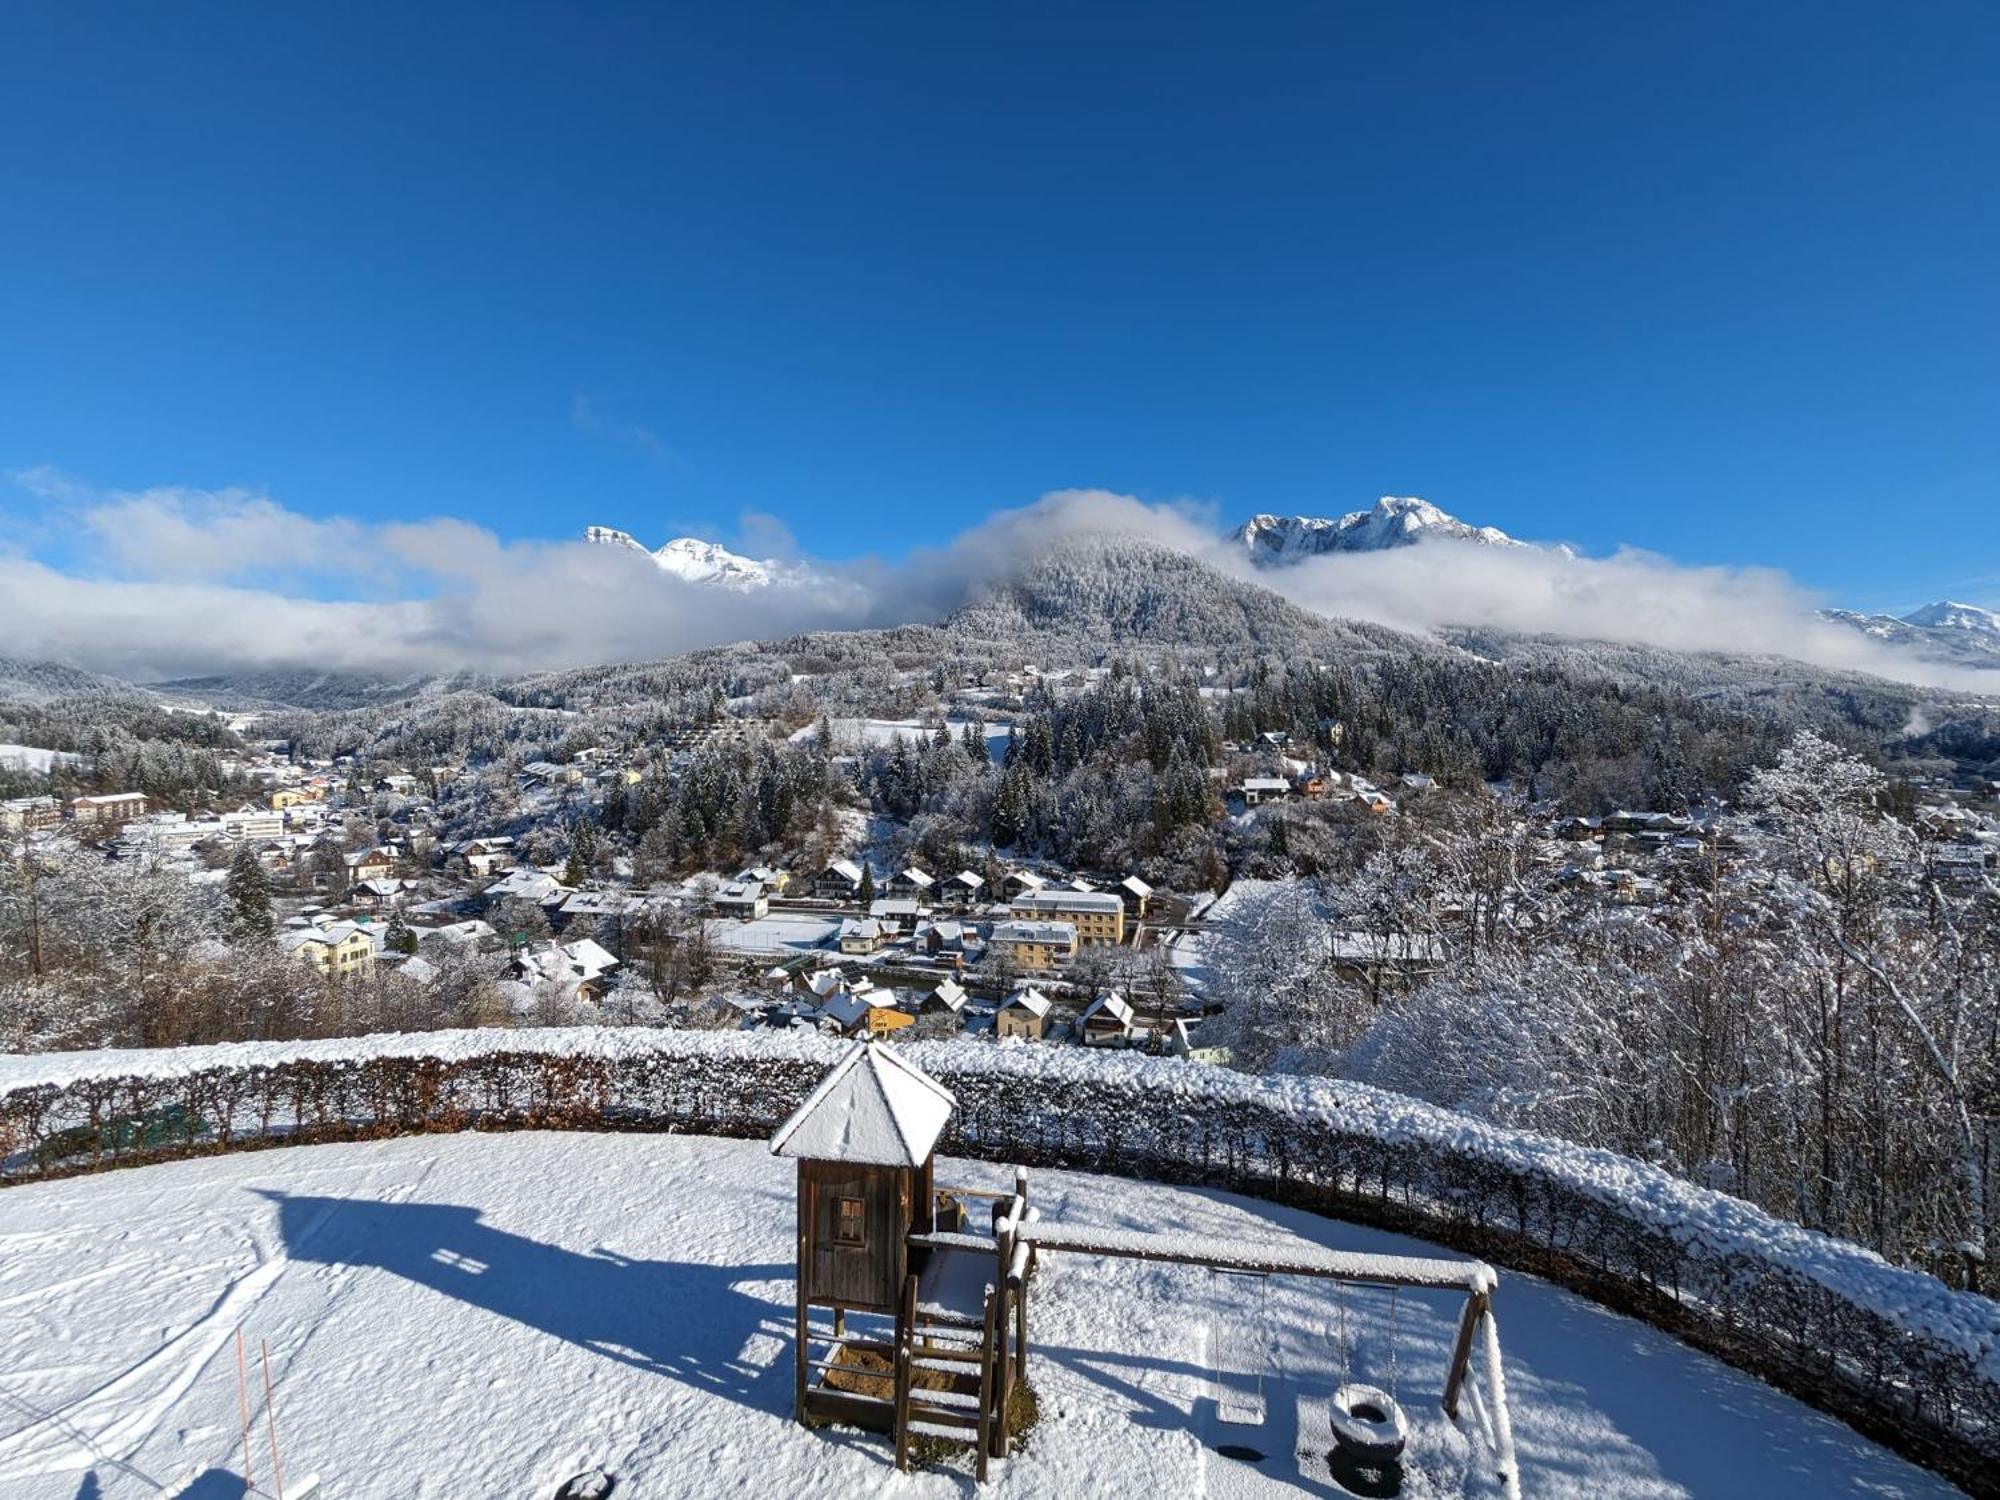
<point>1136,886</point>
<point>1034,932</point>
<point>950,994</point>
<point>1068,899</point>
<point>1034,1002</point>
<point>1113,1005</point>
<point>873,1108</point>
<point>846,869</point>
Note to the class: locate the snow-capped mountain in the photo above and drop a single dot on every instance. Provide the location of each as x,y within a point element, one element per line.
<point>697,561</point>
<point>1947,615</point>
<point>1394,522</point>
<point>1962,634</point>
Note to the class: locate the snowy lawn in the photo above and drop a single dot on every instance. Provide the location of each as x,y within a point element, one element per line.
<point>473,1316</point>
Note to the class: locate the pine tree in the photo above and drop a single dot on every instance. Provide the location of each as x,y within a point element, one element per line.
<point>248,893</point>
<point>866,893</point>
<point>399,938</point>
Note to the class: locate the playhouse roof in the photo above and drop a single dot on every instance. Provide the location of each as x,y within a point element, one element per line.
<point>873,1108</point>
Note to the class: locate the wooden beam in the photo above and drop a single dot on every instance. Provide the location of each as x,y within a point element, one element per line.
<point>1461,1351</point>
<point>1469,1276</point>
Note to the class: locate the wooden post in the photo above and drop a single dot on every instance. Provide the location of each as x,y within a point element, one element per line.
<point>986,1381</point>
<point>1021,1331</point>
<point>799,1351</point>
<point>1461,1351</point>
<point>905,1369</point>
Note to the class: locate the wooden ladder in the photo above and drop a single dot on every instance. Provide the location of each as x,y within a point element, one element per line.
<point>967,1411</point>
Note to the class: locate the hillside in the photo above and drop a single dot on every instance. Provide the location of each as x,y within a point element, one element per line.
<point>1125,592</point>
<point>43,682</point>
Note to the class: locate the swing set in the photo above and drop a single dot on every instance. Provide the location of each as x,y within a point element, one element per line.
<point>946,1306</point>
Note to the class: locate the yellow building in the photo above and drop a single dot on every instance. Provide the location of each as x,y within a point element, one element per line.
<point>1025,1014</point>
<point>1033,947</point>
<point>342,951</point>
<point>1097,916</point>
<point>290,796</point>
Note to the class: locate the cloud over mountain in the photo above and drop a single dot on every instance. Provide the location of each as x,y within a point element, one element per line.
<point>177,581</point>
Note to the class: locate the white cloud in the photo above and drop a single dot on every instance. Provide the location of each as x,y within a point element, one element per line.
<point>189,582</point>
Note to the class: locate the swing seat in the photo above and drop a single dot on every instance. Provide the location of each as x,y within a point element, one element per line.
<point>1368,1423</point>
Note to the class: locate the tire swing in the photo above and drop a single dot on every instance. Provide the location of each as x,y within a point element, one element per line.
<point>1370,1430</point>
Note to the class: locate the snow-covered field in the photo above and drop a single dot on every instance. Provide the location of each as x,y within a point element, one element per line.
<point>474,1316</point>
<point>783,934</point>
<point>881,732</point>
<point>34,758</point>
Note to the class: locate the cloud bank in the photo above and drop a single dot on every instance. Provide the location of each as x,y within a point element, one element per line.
<point>175,582</point>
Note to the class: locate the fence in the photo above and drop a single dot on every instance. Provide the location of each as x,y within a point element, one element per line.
<point>1894,1352</point>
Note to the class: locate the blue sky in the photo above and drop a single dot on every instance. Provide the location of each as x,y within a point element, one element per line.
<point>1715,280</point>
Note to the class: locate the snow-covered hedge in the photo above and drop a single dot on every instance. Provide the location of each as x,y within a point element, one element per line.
<point>1893,1350</point>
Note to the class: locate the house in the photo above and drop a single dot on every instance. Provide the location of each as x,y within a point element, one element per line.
<point>577,968</point>
<point>253,823</point>
<point>775,881</point>
<point>548,773</point>
<point>912,882</point>
<point>536,887</point>
<point>839,881</point>
<point>1135,893</point>
<point>380,894</point>
<point>962,889</point>
<point>29,814</point>
<point>1097,916</point>
<point>1415,783</point>
<point>1962,865</point>
<point>946,937</point>
<point>482,858</point>
<point>371,864</point>
<point>742,898</point>
<point>1020,882</point>
<point>819,983</point>
<point>852,1015</point>
<point>1035,947</point>
<point>1024,1014</point>
<point>1370,957</point>
<point>1192,1040</point>
<point>1258,790</point>
<point>286,797</point>
<point>108,811</point>
<point>860,935</point>
<point>1108,1021</point>
<point>897,913</point>
<point>339,950</point>
<point>948,996</point>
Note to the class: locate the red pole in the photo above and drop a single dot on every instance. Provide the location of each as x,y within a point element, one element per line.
<point>271,1420</point>
<point>243,1407</point>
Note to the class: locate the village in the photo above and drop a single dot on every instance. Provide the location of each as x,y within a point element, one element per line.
<point>368,875</point>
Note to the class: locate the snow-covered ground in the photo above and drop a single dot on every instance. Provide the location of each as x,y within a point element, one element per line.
<point>782,934</point>
<point>880,732</point>
<point>34,758</point>
<point>485,1316</point>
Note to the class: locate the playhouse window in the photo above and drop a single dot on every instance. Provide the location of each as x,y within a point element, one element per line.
<point>850,1219</point>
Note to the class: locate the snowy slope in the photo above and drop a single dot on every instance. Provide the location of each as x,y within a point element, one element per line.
<point>697,561</point>
<point>1393,522</point>
<point>34,758</point>
<point>484,1316</point>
